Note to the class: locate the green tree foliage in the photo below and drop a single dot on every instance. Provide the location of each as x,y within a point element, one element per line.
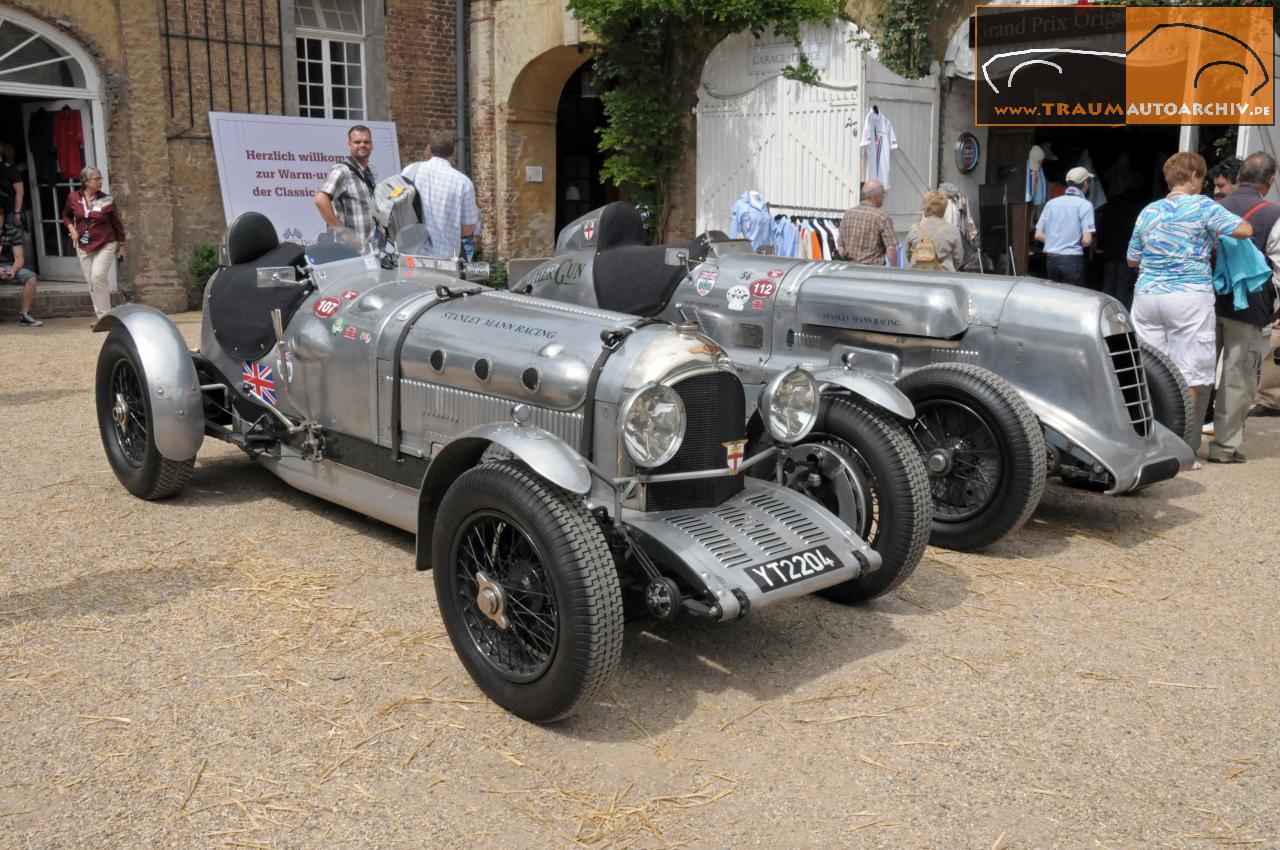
<point>650,56</point>
<point>202,264</point>
<point>901,30</point>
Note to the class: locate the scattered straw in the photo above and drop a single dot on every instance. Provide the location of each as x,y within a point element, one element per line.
<point>191,788</point>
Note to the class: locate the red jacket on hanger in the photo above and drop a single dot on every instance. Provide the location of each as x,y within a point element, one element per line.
<point>68,138</point>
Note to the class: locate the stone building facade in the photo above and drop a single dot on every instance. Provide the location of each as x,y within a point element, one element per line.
<point>144,74</point>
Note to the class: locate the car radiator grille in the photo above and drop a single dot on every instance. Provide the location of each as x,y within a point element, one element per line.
<point>714,409</point>
<point>1126,360</point>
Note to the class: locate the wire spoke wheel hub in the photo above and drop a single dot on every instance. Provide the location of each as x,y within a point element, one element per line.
<point>962,455</point>
<point>829,472</point>
<point>129,412</point>
<point>505,597</point>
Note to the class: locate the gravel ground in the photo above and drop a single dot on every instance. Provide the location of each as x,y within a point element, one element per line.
<point>246,666</point>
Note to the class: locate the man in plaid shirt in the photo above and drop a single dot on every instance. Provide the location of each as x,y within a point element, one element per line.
<point>866,232</point>
<point>448,197</point>
<point>346,198</point>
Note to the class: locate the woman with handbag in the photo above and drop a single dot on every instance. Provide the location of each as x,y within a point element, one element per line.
<point>93,221</point>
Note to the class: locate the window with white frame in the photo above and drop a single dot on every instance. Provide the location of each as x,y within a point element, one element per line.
<point>331,50</point>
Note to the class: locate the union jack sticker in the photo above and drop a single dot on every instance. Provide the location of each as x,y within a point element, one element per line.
<point>259,380</point>
<point>735,450</point>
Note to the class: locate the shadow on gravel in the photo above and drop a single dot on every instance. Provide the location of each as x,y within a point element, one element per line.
<point>236,480</point>
<point>115,592</point>
<point>40,396</point>
<point>669,670</point>
<point>1123,521</point>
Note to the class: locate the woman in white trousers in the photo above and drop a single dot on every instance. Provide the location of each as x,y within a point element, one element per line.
<point>93,221</point>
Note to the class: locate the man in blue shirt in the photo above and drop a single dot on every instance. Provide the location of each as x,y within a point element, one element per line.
<point>1066,229</point>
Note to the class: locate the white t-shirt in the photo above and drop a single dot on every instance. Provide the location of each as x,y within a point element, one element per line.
<point>877,140</point>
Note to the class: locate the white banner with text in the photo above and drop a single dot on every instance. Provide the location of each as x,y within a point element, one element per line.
<point>273,164</point>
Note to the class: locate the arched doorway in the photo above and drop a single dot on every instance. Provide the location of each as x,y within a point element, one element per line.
<point>579,117</point>
<point>51,112</point>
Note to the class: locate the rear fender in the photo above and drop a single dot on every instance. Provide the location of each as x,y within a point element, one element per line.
<point>545,454</point>
<point>169,374</point>
<point>872,388</point>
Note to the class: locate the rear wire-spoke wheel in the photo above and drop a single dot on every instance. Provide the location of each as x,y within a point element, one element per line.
<point>126,423</point>
<point>528,591</point>
<point>880,490</point>
<point>984,451</point>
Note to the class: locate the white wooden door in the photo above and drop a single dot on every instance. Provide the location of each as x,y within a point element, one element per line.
<point>1266,138</point>
<point>49,193</point>
<point>912,108</point>
<point>797,144</point>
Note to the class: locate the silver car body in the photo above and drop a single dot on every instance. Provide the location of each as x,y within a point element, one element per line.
<point>484,371</point>
<point>1058,345</point>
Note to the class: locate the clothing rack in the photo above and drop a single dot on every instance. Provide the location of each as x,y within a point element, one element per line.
<point>819,211</point>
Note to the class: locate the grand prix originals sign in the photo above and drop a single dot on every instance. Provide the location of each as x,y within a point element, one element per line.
<point>1111,65</point>
<point>273,164</point>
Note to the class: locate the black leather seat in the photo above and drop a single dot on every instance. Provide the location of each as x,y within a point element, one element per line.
<point>239,309</point>
<point>630,275</point>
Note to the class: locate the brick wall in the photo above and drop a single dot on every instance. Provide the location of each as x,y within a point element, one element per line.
<point>421,76</point>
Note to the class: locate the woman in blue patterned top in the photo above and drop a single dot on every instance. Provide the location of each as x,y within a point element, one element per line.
<point>1173,298</point>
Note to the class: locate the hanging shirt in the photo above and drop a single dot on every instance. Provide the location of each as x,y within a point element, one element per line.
<point>833,230</point>
<point>786,237</point>
<point>68,138</point>
<point>877,140</point>
<point>750,219</point>
<point>43,152</point>
<point>1037,188</point>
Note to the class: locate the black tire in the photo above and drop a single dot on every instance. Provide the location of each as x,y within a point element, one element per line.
<point>970,419</point>
<point>897,518</point>
<point>125,423</point>
<point>1170,396</point>
<point>563,640</point>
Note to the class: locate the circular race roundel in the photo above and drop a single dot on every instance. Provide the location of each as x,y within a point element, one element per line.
<point>968,152</point>
<point>326,307</point>
<point>764,288</point>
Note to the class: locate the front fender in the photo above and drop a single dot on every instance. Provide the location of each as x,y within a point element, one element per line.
<point>873,388</point>
<point>169,374</point>
<point>544,453</point>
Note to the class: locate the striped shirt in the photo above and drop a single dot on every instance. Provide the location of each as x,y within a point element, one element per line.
<point>1172,240</point>
<point>448,203</point>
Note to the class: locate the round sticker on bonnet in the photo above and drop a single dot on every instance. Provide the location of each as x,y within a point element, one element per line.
<point>326,307</point>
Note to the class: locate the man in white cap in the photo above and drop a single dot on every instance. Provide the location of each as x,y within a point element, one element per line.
<point>1066,228</point>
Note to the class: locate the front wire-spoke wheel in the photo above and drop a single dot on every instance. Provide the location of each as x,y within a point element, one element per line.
<point>506,597</point>
<point>528,591</point>
<point>862,466</point>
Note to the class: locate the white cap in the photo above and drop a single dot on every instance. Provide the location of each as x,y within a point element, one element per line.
<point>1078,175</point>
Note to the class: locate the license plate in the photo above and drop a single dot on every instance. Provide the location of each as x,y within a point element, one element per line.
<point>787,570</point>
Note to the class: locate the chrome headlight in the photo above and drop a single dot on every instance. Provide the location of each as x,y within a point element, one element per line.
<point>790,405</point>
<point>653,422</point>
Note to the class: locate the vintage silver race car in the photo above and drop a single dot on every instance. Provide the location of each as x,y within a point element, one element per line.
<point>554,461</point>
<point>1012,379</point>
